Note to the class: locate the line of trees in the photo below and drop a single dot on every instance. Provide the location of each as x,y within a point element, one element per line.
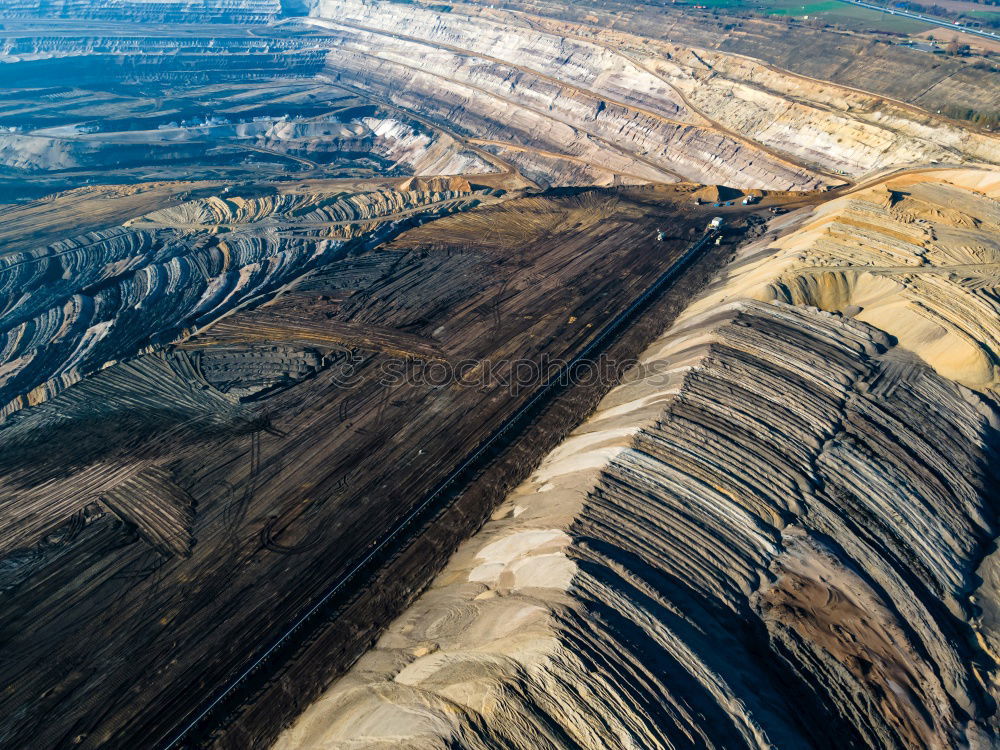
<point>988,120</point>
<point>992,21</point>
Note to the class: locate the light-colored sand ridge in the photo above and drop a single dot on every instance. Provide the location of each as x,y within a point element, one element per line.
<point>769,536</point>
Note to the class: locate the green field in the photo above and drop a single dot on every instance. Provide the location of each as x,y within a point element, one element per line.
<point>983,15</point>
<point>828,11</point>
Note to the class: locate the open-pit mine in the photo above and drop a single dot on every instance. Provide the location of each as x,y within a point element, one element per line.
<point>527,374</point>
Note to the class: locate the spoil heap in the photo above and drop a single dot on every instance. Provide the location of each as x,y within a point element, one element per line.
<point>775,533</point>
<point>74,307</point>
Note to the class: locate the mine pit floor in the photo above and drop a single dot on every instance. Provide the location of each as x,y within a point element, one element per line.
<point>294,486</point>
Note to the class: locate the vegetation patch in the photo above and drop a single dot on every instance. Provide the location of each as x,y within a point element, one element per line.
<point>830,12</point>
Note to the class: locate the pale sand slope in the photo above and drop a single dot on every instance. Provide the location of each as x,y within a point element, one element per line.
<point>570,103</point>
<point>770,536</point>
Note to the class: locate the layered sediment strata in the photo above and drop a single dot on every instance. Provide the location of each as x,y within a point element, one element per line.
<point>770,535</point>
<point>74,307</point>
<point>145,11</point>
<point>33,58</point>
<point>506,87</point>
<point>846,58</point>
<point>759,496</point>
<point>400,146</point>
<point>552,95</point>
<point>238,131</point>
<point>35,53</point>
<point>916,257</point>
<point>533,89</point>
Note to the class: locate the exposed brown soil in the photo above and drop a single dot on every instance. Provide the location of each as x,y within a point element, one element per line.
<point>357,625</point>
<point>287,489</point>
